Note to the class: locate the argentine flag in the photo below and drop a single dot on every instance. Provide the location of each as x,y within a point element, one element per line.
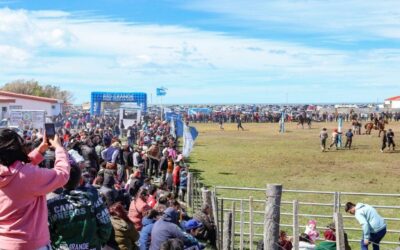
<point>189,136</point>
<point>161,91</point>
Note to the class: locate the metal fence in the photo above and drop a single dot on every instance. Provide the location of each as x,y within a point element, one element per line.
<point>247,206</point>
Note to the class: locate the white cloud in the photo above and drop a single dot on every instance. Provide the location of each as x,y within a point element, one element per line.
<point>9,54</point>
<point>85,54</point>
<point>344,20</point>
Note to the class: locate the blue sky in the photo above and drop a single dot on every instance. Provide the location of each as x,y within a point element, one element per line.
<point>207,51</point>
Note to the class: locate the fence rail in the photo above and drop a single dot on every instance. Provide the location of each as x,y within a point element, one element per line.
<point>246,206</point>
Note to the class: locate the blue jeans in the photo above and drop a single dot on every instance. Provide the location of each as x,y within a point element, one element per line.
<point>374,239</point>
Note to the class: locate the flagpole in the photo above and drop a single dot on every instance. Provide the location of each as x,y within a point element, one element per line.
<point>161,109</point>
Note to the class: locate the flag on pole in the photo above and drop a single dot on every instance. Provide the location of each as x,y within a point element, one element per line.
<point>172,127</point>
<point>179,128</point>
<point>189,135</point>
<point>161,91</point>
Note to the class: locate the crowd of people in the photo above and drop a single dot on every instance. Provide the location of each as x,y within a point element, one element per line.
<point>337,137</point>
<point>88,189</point>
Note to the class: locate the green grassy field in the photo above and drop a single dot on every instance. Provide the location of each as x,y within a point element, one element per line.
<point>260,155</point>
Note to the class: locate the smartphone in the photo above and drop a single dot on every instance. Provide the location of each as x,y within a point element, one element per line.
<point>50,130</point>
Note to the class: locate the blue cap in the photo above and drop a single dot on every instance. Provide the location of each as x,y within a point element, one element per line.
<point>192,224</point>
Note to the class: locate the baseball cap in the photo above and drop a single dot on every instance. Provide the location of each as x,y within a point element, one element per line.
<point>192,224</point>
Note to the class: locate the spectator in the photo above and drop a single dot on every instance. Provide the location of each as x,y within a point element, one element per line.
<point>23,187</point>
<point>384,141</point>
<point>73,208</point>
<point>335,139</point>
<point>183,183</point>
<point>329,243</point>
<point>283,241</point>
<point>192,228</point>
<point>390,139</point>
<point>166,228</point>
<point>373,225</point>
<point>207,231</point>
<point>176,178</point>
<point>107,189</point>
<point>134,183</point>
<point>148,223</point>
<point>323,135</point>
<point>332,227</point>
<point>311,231</point>
<point>349,138</point>
<point>152,200</point>
<point>125,233</point>
<point>138,208</point>
<point>305,242</point>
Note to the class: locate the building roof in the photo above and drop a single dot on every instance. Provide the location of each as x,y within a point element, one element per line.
<point>394,98</point>
<point>30,97</point>
<point>6,100</point>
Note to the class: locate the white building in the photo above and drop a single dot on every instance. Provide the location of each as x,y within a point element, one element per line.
<point>393,102</point>
<point>9,100</point>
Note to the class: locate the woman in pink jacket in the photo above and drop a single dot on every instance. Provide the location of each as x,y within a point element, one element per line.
<point>23,189</point>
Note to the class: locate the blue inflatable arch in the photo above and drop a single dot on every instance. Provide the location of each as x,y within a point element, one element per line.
<point>99,97</point>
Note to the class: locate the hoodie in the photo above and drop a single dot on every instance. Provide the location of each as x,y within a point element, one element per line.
<point>370,220</point>
<point>165,229</point>
<point>23,210</point>
<point>145,234</point>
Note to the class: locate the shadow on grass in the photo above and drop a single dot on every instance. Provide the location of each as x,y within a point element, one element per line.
<point>197,173</point>
<point>226,173</point>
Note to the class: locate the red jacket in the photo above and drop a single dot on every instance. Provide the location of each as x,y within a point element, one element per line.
<point>175,175</point>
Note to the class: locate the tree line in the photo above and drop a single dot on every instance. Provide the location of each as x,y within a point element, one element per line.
<point>33,87</point>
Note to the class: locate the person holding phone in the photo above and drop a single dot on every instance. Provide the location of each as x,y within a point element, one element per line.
<point>23,189</point>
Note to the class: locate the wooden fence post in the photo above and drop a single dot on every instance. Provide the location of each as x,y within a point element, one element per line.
<point>189,190</point>
<point>339,231</point>
<point>226,245</point>
<point>214,206</point>
<point>272,216</point>
<point>335,202</point>
<point>295,225</point>
<point>251,221</point>
<point>206,196</point>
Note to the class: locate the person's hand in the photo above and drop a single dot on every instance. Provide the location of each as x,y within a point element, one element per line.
<point>366,242</point>
<point>44,145</point>
<point>55,142</point>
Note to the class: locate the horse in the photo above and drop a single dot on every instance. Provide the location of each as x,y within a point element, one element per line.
<point>356,126</point>
<point>301,121</point>
<point>368,127</point>
<point>380,125</point>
